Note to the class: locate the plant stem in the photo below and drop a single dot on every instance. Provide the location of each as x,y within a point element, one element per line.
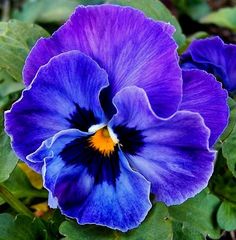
<point>39,194</point>
<point>14,202</point>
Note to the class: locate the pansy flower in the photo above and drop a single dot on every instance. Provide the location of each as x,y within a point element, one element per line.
<point>213,56</point>
<point>107,120</point>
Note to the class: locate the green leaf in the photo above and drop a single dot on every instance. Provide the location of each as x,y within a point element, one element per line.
<point>229,152</point>
<point>232,120</point>
<point>16,40</point>
<point>49,11</point>
<point>8,160</point>
<point>225,17</point>
<point>226,216</point>
<point>222,182</point>
<point>156,10</point>
<point>8,84</point>
<point>195,9</point>
<point>228,148</point>
<point>19,185</point>
<point>6,102</point>
<point>21,228</point>
<point>72,231</point>
<point>181,232</point>
<point>198,213</point>
<point>54,223</point>
<point>156,226</point>
<point>46,11</point>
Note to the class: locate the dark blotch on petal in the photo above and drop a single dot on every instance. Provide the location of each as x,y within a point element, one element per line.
<point>82,119</point>
<point>107,105</point>
<point>130,139</point>
<point>102,168</point>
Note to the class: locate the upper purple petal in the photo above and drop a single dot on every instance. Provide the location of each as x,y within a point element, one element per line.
<point>213,56</point>
<point>171,153</point>
<point>202,93</point>
<point>120,205</point>
<point>63,95</point>
<point>133,49</point>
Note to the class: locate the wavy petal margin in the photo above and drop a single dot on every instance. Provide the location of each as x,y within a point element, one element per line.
<point>133,49</point>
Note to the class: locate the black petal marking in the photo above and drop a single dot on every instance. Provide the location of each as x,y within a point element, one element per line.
<point>82,119</point>
<point>130,139</point>
<point>102,168</point>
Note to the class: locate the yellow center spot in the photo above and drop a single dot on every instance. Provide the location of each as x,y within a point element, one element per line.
<point>102,142</point>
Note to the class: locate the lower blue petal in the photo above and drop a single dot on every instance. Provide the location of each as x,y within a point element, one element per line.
<point>120,204</point>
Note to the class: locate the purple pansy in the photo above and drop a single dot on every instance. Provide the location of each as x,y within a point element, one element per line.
<point>213,56</point>
<point>107,119</point>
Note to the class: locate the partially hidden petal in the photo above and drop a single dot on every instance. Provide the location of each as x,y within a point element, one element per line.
<point>64,94</point>
<point>82,188</point>
<point>171,153</point>
<point>133,49</point>
<point>202,93</point>
<point>213,56</point>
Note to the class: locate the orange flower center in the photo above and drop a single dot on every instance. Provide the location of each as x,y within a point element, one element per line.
<point>102,142</point>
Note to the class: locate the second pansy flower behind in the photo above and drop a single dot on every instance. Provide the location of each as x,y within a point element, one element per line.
<point>214,56</point>
<point>106,118</point>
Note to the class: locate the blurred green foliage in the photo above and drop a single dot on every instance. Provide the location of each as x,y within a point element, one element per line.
<point>225,17</point>
<point>196,9</point>
<point>49,11</point>
<point>21,228</point>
